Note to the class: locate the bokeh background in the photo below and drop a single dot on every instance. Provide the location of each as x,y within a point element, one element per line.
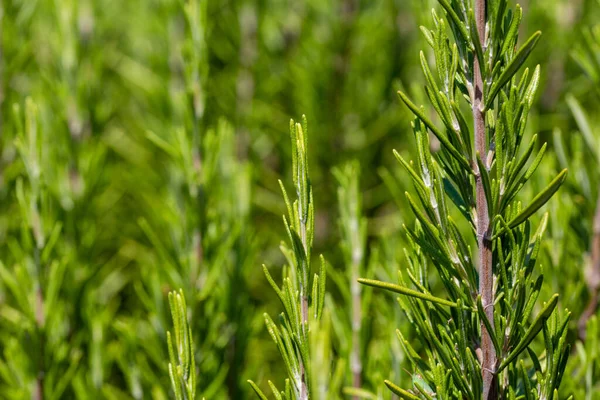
<point>141,143</point>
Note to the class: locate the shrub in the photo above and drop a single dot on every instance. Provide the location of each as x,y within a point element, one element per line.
<point>141,144</point>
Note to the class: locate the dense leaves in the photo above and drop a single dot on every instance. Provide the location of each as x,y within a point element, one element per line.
<point>455,364</point>
<point>141,147</point>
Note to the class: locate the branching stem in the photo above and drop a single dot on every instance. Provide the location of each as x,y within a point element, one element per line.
<point>593,277</point>
<point>304,311</point>
<point>356,364</point>
<point>40,319</point>
<point>486,277</point>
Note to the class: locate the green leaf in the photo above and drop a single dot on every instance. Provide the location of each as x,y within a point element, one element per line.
<point>462,29</point>
<point>441,137</point>
<point>275,391</point>
<point>476,43</point>
<point>258,392</point>
<point>584,125</point>
<point>286,199</point>
<point>322,285</point>
<point>400,392</point>
<point>511,68</point>
<point>536,162</point>
<point>533,85</point>
<point>405,291</point>
<point>487,187</point>
<point>526,381</point>
<point>415,177</point>
<point>511,35</point>
<point>464,129</point>
<point>427,34</point>
<point>539,200</point>
<point>360,393</point>
<point>427,72</point>
<point>162,144</point>
<point>535,328</point>
<point>488,325</point>
<point>516,168</point>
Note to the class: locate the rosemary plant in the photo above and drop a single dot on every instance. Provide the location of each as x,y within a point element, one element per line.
<point>302,302</point>
<point>588,172</point>
<point>145,164</point>
<point>587,55</point>
<point>196,220</point>
<point>479,335</point>
<point>182,365</point>
<point>40,358</point>
<point>354,236</point>
<point>576,225</point>
<point>60,167</point>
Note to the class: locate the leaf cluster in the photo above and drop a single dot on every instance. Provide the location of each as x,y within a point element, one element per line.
<point>451,327</point>
<point>302,303</point>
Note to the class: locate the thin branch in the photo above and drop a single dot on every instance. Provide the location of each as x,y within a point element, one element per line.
<point>356,365</point>
<point>40,319</point>
<point>486,277</point>
<point>304,305</point>
<point>593,274</point>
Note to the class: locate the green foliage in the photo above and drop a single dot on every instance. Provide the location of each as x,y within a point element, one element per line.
<point>35,311</point>
<point>480,171</point>
<point>303,303</point>
<point>182,366</point>
<point>577,233</point>
<point>140,152</point>
<point>354,236</point>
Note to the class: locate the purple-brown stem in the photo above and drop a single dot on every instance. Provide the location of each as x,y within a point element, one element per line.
<point>486,276</point>
<point>40,318</point>
<point>303,377</point>
<point>355,361</point>
<point>304,310</point>
<point>593,274</point>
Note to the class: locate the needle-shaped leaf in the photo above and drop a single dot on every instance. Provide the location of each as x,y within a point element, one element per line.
<point>416,178</point>
<point>427,34</point>
<point>510,70</point>
<point>583,125</point>
<point>536,162</point>
<point>464,130</point>
<point>400,392</point>
<point>526,382</point>
<point>520,164</point>
<point>257,390</point>
<point>323,275</point>
<point>427,72</point>
<point>476,42</point>
<point>511,35</point>
<point>539,200</point>
<point>275,391</point>
<point>533,85</point>
<point>462,29</point>
<point>487,187</point>
<point>359,393</point>
<point>405,291</point>
<point>496,16</point>
<point>488,325</point>
<point>533,330</point>
<point>441,137</point>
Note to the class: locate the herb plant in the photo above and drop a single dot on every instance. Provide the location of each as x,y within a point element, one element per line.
<point>478,336</point>
<point>354,236</point>
<point>139,156</point>
<point>40,359</point>
<point>302,301</point>
<point>182,365</point>
<point>195,224</point>
<point>577,236</point>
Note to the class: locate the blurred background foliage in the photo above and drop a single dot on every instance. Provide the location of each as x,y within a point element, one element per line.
<point>140,146</point>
